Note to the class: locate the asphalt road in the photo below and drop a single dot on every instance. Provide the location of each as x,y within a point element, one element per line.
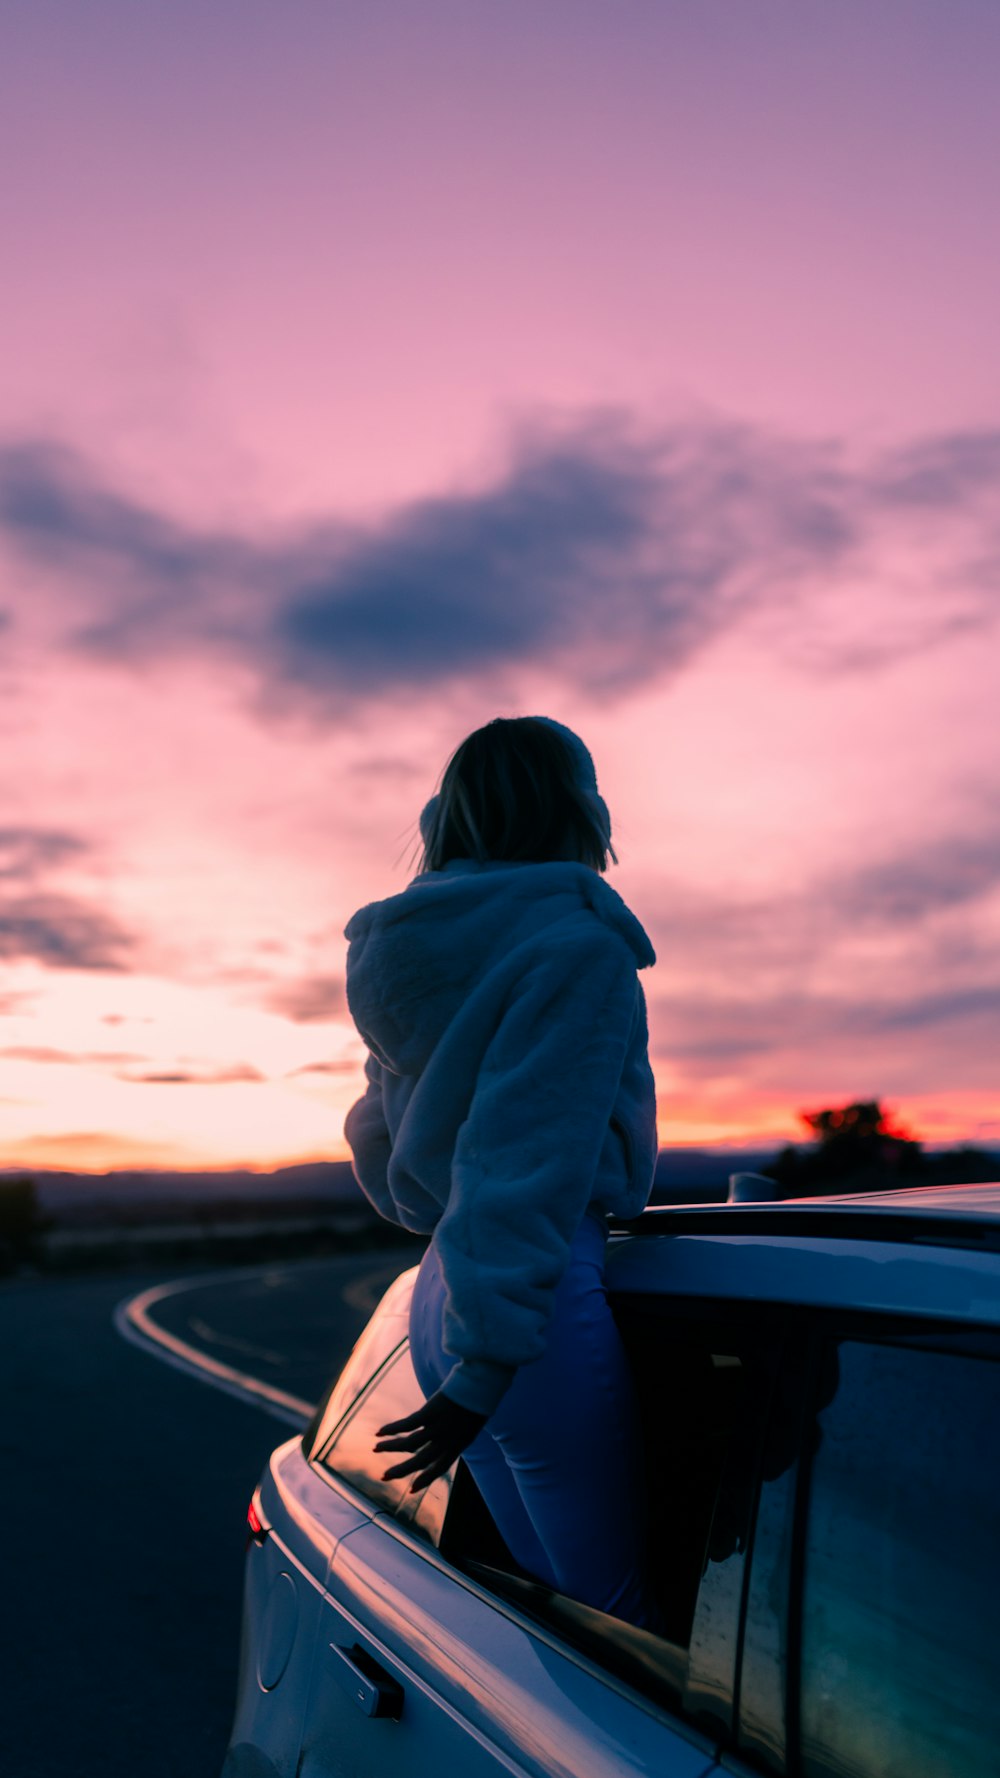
<point>123,1492</point>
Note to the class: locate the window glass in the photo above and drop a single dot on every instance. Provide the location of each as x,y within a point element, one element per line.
<point>383,1335</point>
<point>702,1386</point>
<point>900,1628</point>
<point>350,1452</point>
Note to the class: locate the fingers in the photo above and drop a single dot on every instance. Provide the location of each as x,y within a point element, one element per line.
<point>405,1468</point>
<point>409,1443</point>
<point>431,1460</point>
<point>431,1474</point>
<point>408,1424</point>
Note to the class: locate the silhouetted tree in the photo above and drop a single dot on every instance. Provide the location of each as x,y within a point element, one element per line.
<point>857,1147</point>
<point>860,1121</point>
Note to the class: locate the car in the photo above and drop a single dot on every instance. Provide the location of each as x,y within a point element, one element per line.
<point>820,1390</point>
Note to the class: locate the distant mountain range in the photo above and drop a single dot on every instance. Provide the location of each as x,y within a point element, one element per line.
<point>133,1198</point>
<point>129,1198</point>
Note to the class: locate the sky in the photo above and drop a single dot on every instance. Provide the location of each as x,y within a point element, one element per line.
<point>372,370</point>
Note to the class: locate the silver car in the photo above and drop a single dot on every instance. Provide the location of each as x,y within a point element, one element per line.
<point>820,1383</point>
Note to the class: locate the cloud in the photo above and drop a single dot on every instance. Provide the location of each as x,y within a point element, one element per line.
<point>390,768</point>
<point>781,937</point>
<point>97,1151</point>
<point>56,507</point>
<point>25,852</point>
<point>942,1007</point>
<point>310,1000</point>
<point>341,1067</point>
<point>41,925</point>
<point>14,1003</point>
<point>606,551</point>
<point>922,1001</point>
<point>62,932</point>
<point>947,871</point>
<point>941,473</point>
<point>711,1034</point>
<point>80,1058</point>
<point>227,1075</point>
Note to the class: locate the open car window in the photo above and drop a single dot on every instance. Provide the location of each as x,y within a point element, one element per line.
<point>349,1448</point>
<point>706,1389</point>
<point>383,1335</point>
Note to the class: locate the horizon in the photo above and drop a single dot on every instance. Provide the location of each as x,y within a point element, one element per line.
<point>340,420</point>
<point>717,1151</point>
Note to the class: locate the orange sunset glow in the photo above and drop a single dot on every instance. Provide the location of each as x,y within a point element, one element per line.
<point>341,415</point>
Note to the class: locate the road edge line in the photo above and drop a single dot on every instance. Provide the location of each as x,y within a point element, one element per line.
<point>134,1323</point>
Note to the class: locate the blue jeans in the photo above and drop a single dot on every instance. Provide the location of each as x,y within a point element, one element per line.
<point>559,1463</point>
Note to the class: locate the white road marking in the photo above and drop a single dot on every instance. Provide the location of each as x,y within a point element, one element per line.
<point>214,1338</point>
<point>135,1324</point>
<point>366,1292</point>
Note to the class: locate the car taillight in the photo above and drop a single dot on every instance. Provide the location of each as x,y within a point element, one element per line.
<point>256,1528</point>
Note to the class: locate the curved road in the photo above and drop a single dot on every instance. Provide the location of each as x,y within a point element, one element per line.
<point>124,1484</point>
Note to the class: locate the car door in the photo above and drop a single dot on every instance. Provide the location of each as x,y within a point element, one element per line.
<point>421,1669</point>
<point>295,1524</point>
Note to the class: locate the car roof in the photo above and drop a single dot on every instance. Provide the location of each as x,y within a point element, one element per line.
<point>928,1200</point>
<point>938,1212</point>
<point>924,1251</point>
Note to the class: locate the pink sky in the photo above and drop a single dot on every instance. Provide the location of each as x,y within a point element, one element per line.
<point>369,372</point>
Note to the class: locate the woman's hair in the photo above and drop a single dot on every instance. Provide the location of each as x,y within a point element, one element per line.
<point>521,788</point>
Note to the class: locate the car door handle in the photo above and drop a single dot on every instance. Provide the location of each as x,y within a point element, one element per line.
<point>370,1687</point>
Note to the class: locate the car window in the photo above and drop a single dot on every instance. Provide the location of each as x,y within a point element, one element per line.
<point>349,1451</point>
<point>704,1386</point>
<point>383,1335</point>
<point>900,1639</point>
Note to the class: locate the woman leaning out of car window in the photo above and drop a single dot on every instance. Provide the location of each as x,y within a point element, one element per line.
<point>510,1107</point>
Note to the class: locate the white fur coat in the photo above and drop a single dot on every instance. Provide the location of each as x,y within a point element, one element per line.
<point>509,1087</point>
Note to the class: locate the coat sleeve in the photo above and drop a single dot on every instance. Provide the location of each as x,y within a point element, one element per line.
<point>526,1157</point>
<point>368,1139</point>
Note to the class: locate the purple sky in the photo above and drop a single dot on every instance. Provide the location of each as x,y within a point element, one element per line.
<point>372,371</point>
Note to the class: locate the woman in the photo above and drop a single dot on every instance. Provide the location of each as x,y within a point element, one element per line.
<point>510,1107</point>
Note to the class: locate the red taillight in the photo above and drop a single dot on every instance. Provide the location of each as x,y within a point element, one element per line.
<point>257,1528</point>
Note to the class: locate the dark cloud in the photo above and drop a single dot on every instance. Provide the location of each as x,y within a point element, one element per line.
<point>941,1007</point>
<point>62,933</point>
<point>53,503</point>
<point>42,925</point>
<point>758,987</point>
<point>608,556</point>
<point>600,550</point>
<point>781,938</point>
<point>389,768</point>
<point>309,1000</point>
<point>946,871</point>
<point>227,1075</point>
<point>342,1067</point>
<point>866,1041</point>
<point>942,472</point>
<point>25,852</point>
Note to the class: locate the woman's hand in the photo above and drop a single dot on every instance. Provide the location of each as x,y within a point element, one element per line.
<point>437,1433</point>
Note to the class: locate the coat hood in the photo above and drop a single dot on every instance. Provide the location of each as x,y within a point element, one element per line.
<point>415,957</point>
